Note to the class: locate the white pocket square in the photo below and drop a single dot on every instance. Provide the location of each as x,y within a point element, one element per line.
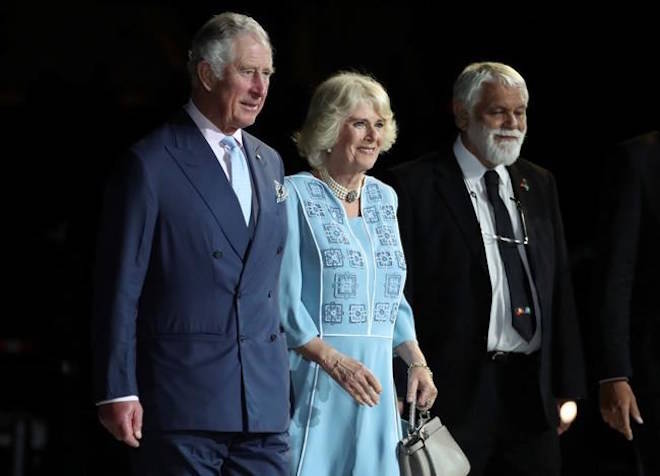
<point>280,192</point>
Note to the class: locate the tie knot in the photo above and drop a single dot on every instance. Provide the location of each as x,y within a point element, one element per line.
<point>492,179</point>
<point>229,142</point>
<point>492,184</point>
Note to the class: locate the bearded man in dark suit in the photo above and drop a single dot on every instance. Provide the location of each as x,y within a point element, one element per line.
<point>490,283</point>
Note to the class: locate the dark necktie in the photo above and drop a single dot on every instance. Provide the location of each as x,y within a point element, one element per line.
<point>521,303</point>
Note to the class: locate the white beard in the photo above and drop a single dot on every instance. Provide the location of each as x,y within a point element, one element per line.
<point>495,153</point>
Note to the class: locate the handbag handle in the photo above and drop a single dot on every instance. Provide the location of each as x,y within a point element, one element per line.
<point>424,416</point>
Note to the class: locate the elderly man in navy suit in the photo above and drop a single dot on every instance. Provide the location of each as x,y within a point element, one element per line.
<point>190,363</point>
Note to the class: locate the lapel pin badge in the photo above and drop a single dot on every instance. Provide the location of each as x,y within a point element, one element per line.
<point>280,192</point>
<point>524,185</point>
<point>258,156</point>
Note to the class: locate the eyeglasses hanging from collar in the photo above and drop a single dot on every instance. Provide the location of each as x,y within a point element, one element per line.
<point>504,239</point>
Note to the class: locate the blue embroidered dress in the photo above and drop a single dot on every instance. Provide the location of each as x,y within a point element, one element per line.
<point>342,280</point>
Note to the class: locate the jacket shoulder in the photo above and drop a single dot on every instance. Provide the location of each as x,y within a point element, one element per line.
<point>417,171</point>
<point>153,146</point>
<point>420,165</point>
<point>261,145</point>
<point>534,170</point>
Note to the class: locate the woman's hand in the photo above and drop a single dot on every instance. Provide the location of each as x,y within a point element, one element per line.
<point>351,374</point>
<point>355,378</point>
<point>421,388</point>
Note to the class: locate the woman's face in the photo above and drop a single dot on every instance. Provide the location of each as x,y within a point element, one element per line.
<point>359,142</point>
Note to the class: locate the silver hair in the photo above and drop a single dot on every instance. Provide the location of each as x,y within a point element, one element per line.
<point>333,101</point>
<point>214,41</point>
<point>467,88</point>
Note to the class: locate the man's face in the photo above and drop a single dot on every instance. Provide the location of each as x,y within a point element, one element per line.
<point>241,92</point>
<point>497,125</point>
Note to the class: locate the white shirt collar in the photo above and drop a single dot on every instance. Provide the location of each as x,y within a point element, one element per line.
<point>473,170</point>
<point>210,131</point>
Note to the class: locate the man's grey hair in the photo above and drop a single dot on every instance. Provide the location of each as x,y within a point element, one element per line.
<point>467,88</point>
<point>214,41</point>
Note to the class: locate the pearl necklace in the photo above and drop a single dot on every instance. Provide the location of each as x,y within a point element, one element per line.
<point>339,191</point>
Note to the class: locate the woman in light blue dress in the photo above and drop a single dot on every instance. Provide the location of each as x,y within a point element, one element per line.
<point>341,289</point>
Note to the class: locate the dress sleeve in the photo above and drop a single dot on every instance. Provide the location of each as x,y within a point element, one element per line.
<point>404,327</point>
<point>296,320</point>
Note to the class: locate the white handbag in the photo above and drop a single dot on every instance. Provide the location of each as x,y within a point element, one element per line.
<point>429,449</point>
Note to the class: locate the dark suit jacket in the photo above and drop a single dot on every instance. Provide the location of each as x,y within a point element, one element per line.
<point>449,287</point>
<point>628,316</point>
<point>186,314</point>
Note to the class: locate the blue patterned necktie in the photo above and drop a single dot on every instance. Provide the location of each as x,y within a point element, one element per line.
<point>240,176</point>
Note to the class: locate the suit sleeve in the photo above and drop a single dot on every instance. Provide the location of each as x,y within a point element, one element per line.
<point>124,247</point>
<point>296,320</point>
<point>568,357</point>
<point>619,232</point>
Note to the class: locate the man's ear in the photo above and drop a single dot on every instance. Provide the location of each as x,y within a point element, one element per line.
<point>205,75</point>
<point>461,115</point>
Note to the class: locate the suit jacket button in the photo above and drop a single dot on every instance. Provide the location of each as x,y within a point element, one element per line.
<point>242,338</point>
<point>269,294</point>
<point>279,250</point>
<point>217,254</point>
<point>273,337</point>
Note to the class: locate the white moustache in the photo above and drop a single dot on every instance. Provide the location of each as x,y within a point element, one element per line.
<point>506,133</point>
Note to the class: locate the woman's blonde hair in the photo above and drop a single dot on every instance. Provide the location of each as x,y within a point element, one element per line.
<point>333,101</point>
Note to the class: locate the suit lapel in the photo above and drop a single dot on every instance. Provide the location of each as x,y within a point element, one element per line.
<point>200,165</point>
<point>451,186</point>
<point>265,193</point>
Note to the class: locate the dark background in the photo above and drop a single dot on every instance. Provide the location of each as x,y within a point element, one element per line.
<point>81,82</point>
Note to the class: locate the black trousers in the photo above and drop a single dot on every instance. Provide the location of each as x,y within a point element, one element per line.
<point>506,431</point>
<point>206,453</point>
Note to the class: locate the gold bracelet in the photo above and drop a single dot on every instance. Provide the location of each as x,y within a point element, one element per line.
<point>413,365</point>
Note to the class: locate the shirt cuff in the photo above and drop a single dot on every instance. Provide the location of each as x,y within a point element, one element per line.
<point>612,379</point>
<point>129,398</point>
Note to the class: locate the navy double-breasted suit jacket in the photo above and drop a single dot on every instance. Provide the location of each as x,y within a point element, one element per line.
<point>185,309</point>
